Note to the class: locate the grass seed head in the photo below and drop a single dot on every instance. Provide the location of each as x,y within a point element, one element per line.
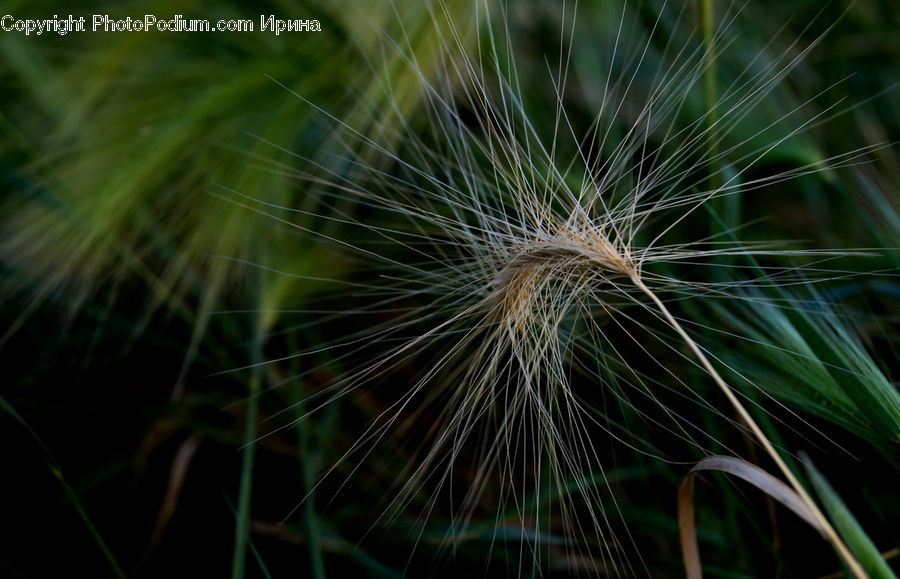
<point>525,252</point>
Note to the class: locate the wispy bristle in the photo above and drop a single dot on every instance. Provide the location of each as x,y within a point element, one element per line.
<point>545,256</point>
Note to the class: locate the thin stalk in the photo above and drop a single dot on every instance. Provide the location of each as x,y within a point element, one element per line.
<point>831,534</point>
<point>242,525</point>
<point>310,518</point>
<point>70,493</point>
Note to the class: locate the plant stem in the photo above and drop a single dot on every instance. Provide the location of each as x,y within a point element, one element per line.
<point>242,525</point>
<point>70,493</point>
<point>828,530</point>
<point>310,519</point>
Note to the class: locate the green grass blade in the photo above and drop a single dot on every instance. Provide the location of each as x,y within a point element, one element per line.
<point>245,494</point>
<point>857,539</point>
<point>67,489</point>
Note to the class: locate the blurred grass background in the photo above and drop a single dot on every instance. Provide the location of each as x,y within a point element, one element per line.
<point>121,246</point>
